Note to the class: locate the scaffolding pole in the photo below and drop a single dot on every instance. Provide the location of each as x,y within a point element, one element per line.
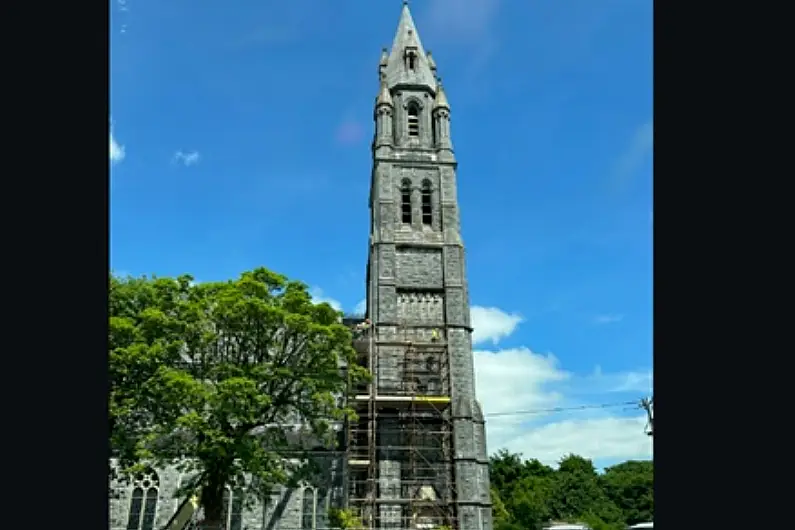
<point>418,431</point>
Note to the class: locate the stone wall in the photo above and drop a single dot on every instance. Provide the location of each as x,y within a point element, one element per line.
<point>304,508</point>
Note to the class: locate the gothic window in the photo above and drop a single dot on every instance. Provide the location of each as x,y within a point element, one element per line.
<point>143,504</point>
<point>405,201</point>
<point>427,213</point>
<point>322,504</point>
<point>308,503</point>
<point>414,119</point>
<point>232,513</point>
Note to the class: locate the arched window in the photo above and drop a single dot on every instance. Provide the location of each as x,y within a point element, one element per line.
<point>322,505</point>
<point>233,509</point>
<point>405,201</point>
<point>308,504</point>
<point>143,504</point>
<point>414,119</point>
<point>427,212</point>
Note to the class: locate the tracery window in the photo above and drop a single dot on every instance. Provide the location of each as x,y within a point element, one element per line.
<point>143,504</point>
<point>233,509</point>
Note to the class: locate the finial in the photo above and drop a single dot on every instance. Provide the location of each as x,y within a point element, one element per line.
<point>441,98</point>
<point>405,2</point>
<point>384,98</point>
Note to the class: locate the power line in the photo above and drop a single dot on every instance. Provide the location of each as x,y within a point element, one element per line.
<point>559,409</point>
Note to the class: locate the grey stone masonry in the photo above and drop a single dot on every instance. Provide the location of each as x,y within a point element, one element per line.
<point>417,277</point>
<point>304,508</point>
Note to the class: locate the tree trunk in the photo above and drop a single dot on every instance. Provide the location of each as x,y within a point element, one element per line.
<point>212,500</point>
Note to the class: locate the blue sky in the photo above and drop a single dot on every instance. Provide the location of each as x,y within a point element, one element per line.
<point>240,137</point>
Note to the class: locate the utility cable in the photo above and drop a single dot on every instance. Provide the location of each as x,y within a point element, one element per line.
<point>559,409</point>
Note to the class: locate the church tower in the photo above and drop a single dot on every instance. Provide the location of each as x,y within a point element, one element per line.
<point>417,454</point>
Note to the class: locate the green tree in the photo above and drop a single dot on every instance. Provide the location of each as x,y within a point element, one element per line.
<point>526,494</point>
<point>523,488</point>
<point>577,493</point>
<point>630,485</point>
<point>203,376</point>
<point>507,469</point>
<point>531,502</point>
<point>499,512</point>
<point>345,519</point>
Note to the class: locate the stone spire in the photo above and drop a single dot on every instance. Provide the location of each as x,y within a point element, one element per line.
<point>441,99</point>
<point>384,98</point>
<point>408,63</point>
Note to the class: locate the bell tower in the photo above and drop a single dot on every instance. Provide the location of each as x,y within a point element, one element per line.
<point>417,454</point>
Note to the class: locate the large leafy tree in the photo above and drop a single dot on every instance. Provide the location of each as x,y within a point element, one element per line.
<point>630,485</point>
<point>531,501</point>
<point>524,488</point>
<point>578,494</point>
<point>206,376</point>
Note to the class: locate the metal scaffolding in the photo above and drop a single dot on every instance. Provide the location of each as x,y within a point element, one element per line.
<point>403,422</point>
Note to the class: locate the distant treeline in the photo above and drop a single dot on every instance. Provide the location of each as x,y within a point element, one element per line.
<point>527,494</point>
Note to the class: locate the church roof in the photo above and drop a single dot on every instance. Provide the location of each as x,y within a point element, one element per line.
<point>407,38</point>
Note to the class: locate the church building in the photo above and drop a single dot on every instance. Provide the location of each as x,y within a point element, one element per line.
<point>416,457</point>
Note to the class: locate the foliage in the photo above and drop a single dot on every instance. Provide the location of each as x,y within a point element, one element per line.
<point>577,492</point>
<point>630,486</point>
<point>205,376</point>
<point>526,494</point>
<point>345,519</point>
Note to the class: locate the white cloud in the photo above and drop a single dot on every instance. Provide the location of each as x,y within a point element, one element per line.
<point>516,380</point>
<point>518,388</point>
<point>492,324</point>
<point>609,438</point>
<point>361,307</point>
<point>640,382</point>
<point>319,297</point>
<point>608,319</point>
<point>116,150</point>
<point>186,158</point>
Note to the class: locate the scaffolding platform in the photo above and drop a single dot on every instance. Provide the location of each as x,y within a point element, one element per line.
<point>405,401</point>
<point>402,419</point>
